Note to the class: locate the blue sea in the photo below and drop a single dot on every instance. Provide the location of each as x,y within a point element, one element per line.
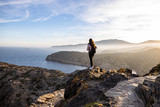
<point>34,57</point>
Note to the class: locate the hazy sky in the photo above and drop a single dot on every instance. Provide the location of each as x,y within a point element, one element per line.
<point>56,22</point>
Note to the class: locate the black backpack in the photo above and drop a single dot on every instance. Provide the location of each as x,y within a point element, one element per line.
<point>93,49</point>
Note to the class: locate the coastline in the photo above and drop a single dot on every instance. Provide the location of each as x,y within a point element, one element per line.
<point>141,62</point>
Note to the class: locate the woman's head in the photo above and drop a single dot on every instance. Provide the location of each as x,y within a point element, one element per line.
<point>91,42</point>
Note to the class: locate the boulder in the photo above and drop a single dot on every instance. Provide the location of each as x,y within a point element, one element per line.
<point>49,99</point>
<point>149,92</point>
<point>89,86</point>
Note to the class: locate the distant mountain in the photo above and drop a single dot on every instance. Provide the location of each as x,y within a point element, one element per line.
<point>112,42</point>
<point>109,42</point>
<point>102,42</point>
<point>111,46</point>
<point>150,41</point>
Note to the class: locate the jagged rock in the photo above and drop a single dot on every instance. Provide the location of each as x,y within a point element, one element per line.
<point>154,71</point>
<point>50,99</point>
<point>43,98</point>
<point>22,85</point>
<point>124,93</point>
<point>89,86</point>
<point>149,91</point>
<point>123,70</point>
<point>111,81</point>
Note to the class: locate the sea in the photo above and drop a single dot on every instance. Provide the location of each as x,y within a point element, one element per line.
<point>35,57</point>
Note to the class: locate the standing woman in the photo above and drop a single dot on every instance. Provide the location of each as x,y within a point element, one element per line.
<point>91,51</point>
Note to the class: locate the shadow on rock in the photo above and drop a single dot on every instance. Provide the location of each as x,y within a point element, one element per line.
<point>88,86</point>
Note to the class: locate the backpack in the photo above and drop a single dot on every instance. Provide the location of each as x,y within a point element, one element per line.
<point>93,49</point>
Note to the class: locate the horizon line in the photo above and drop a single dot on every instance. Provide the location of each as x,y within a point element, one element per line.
<point>44,46</point>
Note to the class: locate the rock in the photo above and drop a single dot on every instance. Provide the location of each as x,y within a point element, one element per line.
<point>124,93</point>
<point>149,91</point>
<point>94,104</point>
<point>88,86</point>
<point>50,99</point>
<point>154,71</point>
<point>128,71</point>
<point>111,81</point>
<point>22,85</point>
<point>43,98</point>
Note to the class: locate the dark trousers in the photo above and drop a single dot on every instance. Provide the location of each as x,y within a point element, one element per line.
<point>91,58</point>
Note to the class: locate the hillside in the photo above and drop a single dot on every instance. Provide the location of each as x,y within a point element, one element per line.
<point>141,62</point>
<point>23,86</point>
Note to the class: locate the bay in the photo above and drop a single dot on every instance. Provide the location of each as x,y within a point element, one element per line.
<point>34,57</point>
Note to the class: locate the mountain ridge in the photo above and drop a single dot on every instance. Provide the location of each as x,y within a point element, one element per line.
<point>111,42</point>
<point>150,41</point>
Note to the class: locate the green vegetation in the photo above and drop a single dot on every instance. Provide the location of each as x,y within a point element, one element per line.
<point>94,104</point>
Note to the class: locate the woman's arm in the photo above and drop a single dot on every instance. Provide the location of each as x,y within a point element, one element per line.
<point>88,47</point>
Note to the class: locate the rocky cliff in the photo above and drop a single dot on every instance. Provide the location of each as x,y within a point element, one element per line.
<point>98,88</point>
<point>22,86</point>
<point>88,86</point>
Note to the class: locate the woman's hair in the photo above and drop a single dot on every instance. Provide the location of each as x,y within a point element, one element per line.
<point>91,42</point>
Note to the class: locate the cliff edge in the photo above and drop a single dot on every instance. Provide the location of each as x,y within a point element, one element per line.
<point>98,88</point>
<point>23,86</point>
<point>20,86</point>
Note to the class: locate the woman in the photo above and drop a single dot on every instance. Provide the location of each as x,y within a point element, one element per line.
<point>91,51</point>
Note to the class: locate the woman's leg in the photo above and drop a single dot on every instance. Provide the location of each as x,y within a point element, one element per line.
<point>91,59</point>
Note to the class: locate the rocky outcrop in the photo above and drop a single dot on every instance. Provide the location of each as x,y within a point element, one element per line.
<point>88,86</point>
<point>120,88</point>
<point>149,91</point>
<point>49,100</point>
<point>21,85</point>
<point>154,71</point>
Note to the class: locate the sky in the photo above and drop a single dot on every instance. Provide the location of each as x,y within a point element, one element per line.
<point>45,23</point>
